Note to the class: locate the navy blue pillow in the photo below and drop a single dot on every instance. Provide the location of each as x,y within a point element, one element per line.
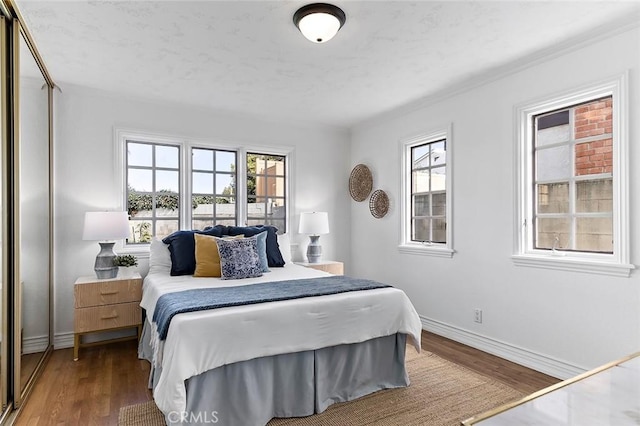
<point>182,248</point>
<point>274,257</point>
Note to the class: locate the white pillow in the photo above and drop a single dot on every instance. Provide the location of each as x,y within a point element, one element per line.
<point>285,247</point>
<point>159,257</point>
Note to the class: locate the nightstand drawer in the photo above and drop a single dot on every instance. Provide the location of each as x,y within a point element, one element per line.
<point>106,317</point>
<point>108,292</point>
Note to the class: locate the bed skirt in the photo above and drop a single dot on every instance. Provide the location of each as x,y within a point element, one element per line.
<point>289,385</point>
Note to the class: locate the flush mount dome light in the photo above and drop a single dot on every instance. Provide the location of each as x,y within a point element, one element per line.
<point>319,22</point>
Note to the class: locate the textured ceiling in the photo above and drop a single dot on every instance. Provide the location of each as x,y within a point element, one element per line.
<point>248,57</point>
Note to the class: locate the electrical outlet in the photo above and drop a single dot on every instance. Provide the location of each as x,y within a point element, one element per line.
<point>477,315</point>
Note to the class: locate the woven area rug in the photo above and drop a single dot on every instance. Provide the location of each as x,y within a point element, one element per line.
<point>441,394</point>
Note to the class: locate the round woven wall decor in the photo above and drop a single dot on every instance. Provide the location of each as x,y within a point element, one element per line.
<point>360,182</point>
<point>379,203</point>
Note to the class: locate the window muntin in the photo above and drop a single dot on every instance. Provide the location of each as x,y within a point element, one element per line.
<point>573,178</point>
<point>153,190</point>
<point>213,186</point>
<point>266,190</point>
<point>428,192</point>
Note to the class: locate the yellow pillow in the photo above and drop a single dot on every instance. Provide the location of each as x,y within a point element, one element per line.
<point>208,256</point>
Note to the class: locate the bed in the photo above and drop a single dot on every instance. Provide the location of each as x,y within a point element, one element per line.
<point>243,365</point>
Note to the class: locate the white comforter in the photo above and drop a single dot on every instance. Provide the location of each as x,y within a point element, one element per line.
<point>200,341</point>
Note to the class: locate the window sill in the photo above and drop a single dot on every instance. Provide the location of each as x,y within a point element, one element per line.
<point>425,250</point>
<point>573,264</point>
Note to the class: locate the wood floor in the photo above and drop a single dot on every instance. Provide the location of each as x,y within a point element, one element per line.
<point>91,390</point>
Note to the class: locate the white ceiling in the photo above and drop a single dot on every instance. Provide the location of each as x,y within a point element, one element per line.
<point>247,56</point>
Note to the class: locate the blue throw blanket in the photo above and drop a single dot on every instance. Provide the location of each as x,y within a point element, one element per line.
<point>200,299</point>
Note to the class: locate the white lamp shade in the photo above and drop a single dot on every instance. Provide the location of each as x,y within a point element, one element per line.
<point>103,226</point>
<point>319,27</point>
<point>314,223</point>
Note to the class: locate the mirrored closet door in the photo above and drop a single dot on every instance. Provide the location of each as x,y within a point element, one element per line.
<point>33,214</point>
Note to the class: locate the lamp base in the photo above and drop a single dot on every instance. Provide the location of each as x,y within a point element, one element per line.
<point>104,262</point>
<point>314,249</point>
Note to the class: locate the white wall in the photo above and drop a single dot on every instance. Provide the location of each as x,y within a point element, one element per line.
<point>85,174</point>
<point>570,320</point>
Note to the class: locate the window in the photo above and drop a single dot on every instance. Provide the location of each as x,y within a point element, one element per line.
<point>266,181</point>
<point>153,190</point>
<point>171,185</point>
<point>573,157</point>
<point>572,182</point>
<point>426,181</point>
<point>213,182</point>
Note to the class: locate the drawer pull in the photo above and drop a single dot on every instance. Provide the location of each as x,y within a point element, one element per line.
<point>109,317</point>
<point>106,293</point>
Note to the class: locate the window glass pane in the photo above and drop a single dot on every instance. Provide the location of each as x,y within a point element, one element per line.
<point>140,180</point>
<point>139,154</point>
<point>439,230</point>
<point>438,179</point>
<point>553,232</point>
<point>553,163</point>
<point>420,181</point>
<point>553,135</point>
<point>140,231</point>
<point>202,183</point>
<point>202,205</point>
<point>276,208</point>
<point>167,156</point>
<point>202,159</point>
<point>261,165</point>
<point>256,208</point>
<point>421,205</point>
<point>421,229</point>
<point>274,187</point>
<point>594,157</point>
<point>438,153</point>
<point>594,234</point>
<point>223,184</point>
<point>225,161</point>
<point>553,198</point>
<point>139,205</point>
<point>167,181</point>
<point>252,160</point>
<point>167,204</point>
<point>594,196</point>
<point>439,204</point>
<point>275,166</point>
<point>420,156</point>
<point>225,208</point>
<point>165,228</point>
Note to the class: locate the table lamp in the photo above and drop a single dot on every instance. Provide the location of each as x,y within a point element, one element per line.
<point>105,226</point>
<point>314,224</point>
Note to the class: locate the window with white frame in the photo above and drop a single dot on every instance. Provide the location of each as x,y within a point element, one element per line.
<point>213,197</point>
<point>165,193</point>
<point>426,188</point>
<point>152,190</point>
<point>266,195</point>
<point>572,182</point>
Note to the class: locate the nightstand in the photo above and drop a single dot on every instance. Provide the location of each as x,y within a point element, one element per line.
<point>106,305</point>
<point>330,266</point>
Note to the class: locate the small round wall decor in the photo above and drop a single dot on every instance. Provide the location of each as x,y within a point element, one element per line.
<point>360,182</point>
<point>379,203</point>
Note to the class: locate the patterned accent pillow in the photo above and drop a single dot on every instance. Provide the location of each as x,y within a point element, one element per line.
<point>239,258</point>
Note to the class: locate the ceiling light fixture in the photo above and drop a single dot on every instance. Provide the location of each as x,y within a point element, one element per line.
<point>319,22</point>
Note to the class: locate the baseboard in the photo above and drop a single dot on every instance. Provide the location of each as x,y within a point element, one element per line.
<point>32,345</point>
<point>63,340</point>
<point>542,363</point>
